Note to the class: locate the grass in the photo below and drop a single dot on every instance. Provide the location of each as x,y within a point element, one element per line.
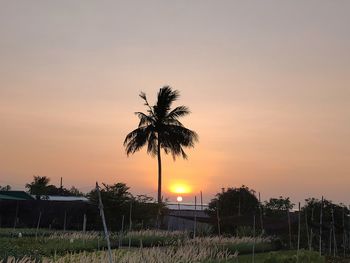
<point>149,244</point>
<point>289,256</point>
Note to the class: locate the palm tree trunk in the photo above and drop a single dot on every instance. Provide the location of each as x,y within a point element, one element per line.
<point>159,175</point>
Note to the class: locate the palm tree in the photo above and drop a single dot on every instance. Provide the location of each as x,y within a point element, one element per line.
<point>160,128</point>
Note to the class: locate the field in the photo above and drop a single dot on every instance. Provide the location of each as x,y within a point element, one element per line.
<point>27,245</point>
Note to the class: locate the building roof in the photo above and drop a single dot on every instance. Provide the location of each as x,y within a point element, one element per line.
<point>15,195</point>
<point>66,198</point>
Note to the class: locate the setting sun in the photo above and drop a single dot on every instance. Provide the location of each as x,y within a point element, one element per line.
<point>180,189</point>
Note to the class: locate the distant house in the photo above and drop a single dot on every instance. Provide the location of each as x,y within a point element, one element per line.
<point>15,195</point>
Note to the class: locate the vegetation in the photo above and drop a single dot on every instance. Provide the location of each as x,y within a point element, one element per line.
<point>41,188</point>
<point>178,247</point>
<point>5,188</point>
<point>232,202</point>
<point>118,201</point>
<point>277,206</point>
<point>160,128</point>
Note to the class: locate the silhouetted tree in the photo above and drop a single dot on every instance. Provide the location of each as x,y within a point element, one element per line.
<point>160,128</point>
<point>116,201</point>
<point>39,186</point>
<point>75,191</point>
<point>235,205</point>
<point>277,206</point>
<point>5,188</point>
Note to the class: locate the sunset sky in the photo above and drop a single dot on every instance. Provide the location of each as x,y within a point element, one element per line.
<point>267,82</point>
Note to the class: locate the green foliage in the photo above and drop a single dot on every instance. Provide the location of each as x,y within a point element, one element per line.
<point>233,202</point>
<point>277,206</point>
<point>304,257</point>
<point>41,188</point>
<point>117,202</point>
<point>37,248</point>
<point>5,188</point>
<point>244,231</point>
<point>313,205</point>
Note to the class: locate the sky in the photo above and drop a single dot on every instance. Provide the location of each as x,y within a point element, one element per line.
<point>267,83</point>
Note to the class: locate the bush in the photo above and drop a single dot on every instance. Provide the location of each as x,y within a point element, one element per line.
<point>304,257</point>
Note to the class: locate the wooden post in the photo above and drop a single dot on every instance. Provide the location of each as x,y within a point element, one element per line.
<point>298,234</point>
<point>239,202</point>
<point>344,233</point>
<point>289,229</point>
<point>16,216</point>
<point>121,233</point>
<point>130,224</point>
<point>37,226</point>
<point>178,217</point>
<point>320,243</point>
<point>311,231</point>
<point>65,220</point>
<point>334,237</point>
<point>201,200</point>
<point>307,227</point>
<point>84,223</point>
<point>261,216</point>
<point>253,258</point>
<point>102,214</point>
<point>330,241</point>
<point>349,227</point>
<point>218,217</point>
<point>195,217</point>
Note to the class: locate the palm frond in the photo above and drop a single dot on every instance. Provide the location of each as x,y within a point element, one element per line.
<point>178,112</point>
<point>145,119</point>
<point>174,138</point>
<point>166,96</point>
<point>144,97</point>
<point>152,148</point>
<point>136,139</point>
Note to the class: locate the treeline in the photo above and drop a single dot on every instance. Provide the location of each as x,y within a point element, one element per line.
<point>120,207</point>
<point>324,225</point>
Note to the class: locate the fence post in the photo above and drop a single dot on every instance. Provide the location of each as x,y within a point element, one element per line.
<point>84,223</point>
<point>298,234</point>
<point>217,217</point>
<point>320,243</point>
<point>16,216</point>
<point>253,258</point>
<point>290,229</point>
<point>37,226</point>
<point>195,217</point>
<point>65,220</point>
<point>102,214</point>
<point>130,223</point>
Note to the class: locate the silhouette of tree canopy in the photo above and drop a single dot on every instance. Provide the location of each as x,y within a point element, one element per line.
<point>160,128</point>
<point>5,188</point>
<point>234,201</point>
<point>277,206</point>
<point>313,210</point>
<point>235,205</point>
<point>41,188</point>
<point>117,200</point>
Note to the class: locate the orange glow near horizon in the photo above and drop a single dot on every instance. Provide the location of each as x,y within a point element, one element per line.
<point>180,188</point>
